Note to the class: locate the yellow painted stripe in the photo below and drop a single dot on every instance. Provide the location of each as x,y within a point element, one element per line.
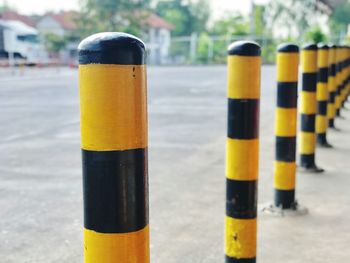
<point>113,107</point>
<point>309,61</point>
<point>342,75</point>
<point>116,248</point>
<point>287,67</point>
<point>242,159</point>
<point>286,122</point>
<point>331,84</point>
<point>240,237</point>
<point>322,91</point>
<point>244,77</point>
<point>284,175</point>
<point>330,111</point>
<point>308,103</point>
<point>322,58</point>
<point>321,124</point>
<point>307,142</point>
<point>338,78</point>
<point>337,102</point>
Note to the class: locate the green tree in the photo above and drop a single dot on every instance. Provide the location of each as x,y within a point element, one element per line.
<point>233,24</point>
<point>5,7</point>
<point>259,20</point>
<point>340,18</point>
<point>112,15</point>
<point>315,35</point>
<point>295,16</point>
<point>204,48</point>
<point>54,43</point>
<point>187,16</point>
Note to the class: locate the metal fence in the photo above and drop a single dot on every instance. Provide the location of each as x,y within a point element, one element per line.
<point>206,49</point>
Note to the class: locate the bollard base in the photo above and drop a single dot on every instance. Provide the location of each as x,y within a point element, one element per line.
<point>324,145</point>
<point>312,169</point>
<point>322,141</point>
<point>278,211</point>
<point>333,128</point>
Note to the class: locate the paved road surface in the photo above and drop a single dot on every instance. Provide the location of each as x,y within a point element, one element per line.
<point>40,173</point>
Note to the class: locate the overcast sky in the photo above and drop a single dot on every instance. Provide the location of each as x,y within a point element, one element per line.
<point>41,6</point>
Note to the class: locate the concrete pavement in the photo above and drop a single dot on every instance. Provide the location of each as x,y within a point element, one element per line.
<point>40,173</point>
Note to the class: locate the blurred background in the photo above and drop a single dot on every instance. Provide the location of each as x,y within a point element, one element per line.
<point>41,206</point>
<point>175,31</point>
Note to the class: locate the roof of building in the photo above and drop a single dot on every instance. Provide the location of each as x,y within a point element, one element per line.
<point>158,22</point>
<point>64,18</point>
<point>14,16</point>
<point>19,27</point>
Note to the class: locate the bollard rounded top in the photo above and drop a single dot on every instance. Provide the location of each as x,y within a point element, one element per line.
<point>288,48</point>
<point>323,46</point>
<point>331,45</point>
<point>244,48</point>
<point>310,46</point>
<point>112,48</point>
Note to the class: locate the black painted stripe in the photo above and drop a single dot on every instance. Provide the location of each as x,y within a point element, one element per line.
<point>322,138</point>
<point>322,46</point>
<point>322,108</point>
<point>332,97</point>
<point>288,48</point>
<point>239,260</point>
<point>338,68</point>
<point>309,46</point>
<point>339,88</point>
<point>322,75</point>
<point>285,149</point>
<point>244,48</point>
<point>243,118</point>
<point>287,94</point>
<point>284,198</point>
<point>308,122</point>
<point>309,82</point>
<point>112,48</point>
<point>115,190</point>
<point>331,123</point>
<point>343,64</point>
<point>241,199</point>
<point>332,70</point>
<point>307,160</point>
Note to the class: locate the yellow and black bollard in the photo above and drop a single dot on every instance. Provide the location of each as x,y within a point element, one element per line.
<point>322,96</point>
<point>345,77</point>
<point>308,107</point>
<point>332,86</point>
<point>242,156</point>
<point>348,73</point>
<point>339,80</point>
<point>347,70</point>
<point>286,126</point>
<point>113,105</point>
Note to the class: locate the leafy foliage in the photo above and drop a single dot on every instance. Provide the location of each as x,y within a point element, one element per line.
<point>54,43</point>
<point>295,16</point>
<point>188,16</point>
<point>315,35</point>
<point>112,15</point>
<point>340,18</point>
<point>233,24</point>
